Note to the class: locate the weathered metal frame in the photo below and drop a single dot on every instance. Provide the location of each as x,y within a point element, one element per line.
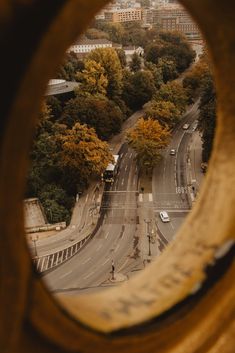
<point>156,311</point>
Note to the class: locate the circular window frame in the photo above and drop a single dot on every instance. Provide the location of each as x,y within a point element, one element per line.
<point>181,300</point>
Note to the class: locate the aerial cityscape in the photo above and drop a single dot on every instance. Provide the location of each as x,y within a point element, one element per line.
<point>122,145</point>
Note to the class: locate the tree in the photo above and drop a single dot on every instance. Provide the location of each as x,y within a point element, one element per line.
<point>138,89</point>
<point>55,107</point>
<point>93,79</point>
<point>173,92</point>
<point>148,138</point>
<point>135,64</point>
<point>94,33</point>
<point>207,116</point>
<point>108,59</point>
<point>153,53</point>
<point>122,57</point>
<point>68,70</point>
<point>168,69</point>
<point>95,111</point>
<point>156,72</point>
<point>83,153</point>
<point>165,112</point>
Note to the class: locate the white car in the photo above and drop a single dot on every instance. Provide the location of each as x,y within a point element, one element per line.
<point>164,216</point>
<point>172,152</point>
<point>185,126</point>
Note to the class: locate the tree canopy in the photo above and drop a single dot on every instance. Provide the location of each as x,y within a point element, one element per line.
<point>109,60</point>
<point>148,138</point>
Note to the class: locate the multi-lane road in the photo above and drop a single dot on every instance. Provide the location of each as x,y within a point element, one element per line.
<point>120,239</point>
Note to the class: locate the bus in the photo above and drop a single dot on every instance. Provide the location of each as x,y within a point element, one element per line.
<point>111,170</point>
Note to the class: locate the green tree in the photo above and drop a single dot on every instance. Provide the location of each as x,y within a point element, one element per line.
<point>153,53</point>
<point>138,89</point>
<point>148,138</point>
<point>135,64</point>
<point>168,69</point>
<point>71,65</point>
<point>108,59</point>
<point>93,79</point>
<point>175,93</point>
<point>122,57</point>
<point>207,116</point>
<point>55,107</point>
<point>95,111</point>
<point>165,112</point>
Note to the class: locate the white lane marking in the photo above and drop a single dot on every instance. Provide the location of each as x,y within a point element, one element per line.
<point>105,262</point>
<point>87,260</point>
<point>150,197</point>
<point>99,198</point>
<point>106,236</point>
<point>172,226</point>
<point>122,181</point>
<point>126,167</point>
<point>66,274</point>
<point>130,155</point>
<point>117,247</point>
<point>86,198</point>
<point>99,247</point>
<point>89,275</point>
<point>140,197</point>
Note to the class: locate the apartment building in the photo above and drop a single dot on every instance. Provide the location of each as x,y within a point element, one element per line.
<point>124,15</point>
<point>173,17</point>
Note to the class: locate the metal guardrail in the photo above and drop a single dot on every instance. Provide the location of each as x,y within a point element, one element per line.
<point>47,262</point>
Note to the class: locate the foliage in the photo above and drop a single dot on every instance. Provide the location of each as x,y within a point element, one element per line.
<point>55,107</point>
<point>193,79</point>
<point>95,111</point>
<point>165,112</point>
<point>168,69</point>
<point>135,64</point>
<point>171,46</point>
<point>108,59</point>
<point>148,138</point>
<point>93,79</point>
<point>83,153</point>
<point>122,57</point>
<point>94,33</point>
<point>173,92</point>
<point>68,70</point>
<point>138,89</point>
<point>207,116</point>
<point>156,72</point>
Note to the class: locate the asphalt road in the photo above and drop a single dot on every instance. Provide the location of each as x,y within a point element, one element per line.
<point>171,185</point>
<point>117,239</point>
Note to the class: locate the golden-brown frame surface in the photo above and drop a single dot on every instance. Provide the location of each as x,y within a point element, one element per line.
<point>35,34</point>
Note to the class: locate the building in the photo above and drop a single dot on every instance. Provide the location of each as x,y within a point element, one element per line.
<point>124,15</point>
<point>174,17</point>
<point>85,45</point>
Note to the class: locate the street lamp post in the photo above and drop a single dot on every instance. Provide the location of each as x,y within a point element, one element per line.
<point>148,221</point>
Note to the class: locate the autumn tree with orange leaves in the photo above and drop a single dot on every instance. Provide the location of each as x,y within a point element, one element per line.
<point>148,138</point>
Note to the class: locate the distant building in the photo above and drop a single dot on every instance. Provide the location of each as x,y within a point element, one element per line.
<point>174,17</point>
<point>130,50</point>
<point>85,45</point>
<point>124,15</point>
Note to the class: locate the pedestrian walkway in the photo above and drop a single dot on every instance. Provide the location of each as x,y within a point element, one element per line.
<point>33,214</point>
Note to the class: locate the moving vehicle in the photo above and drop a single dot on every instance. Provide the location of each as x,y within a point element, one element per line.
<point>172,152</point>
<point>164,216</point>
<point>111,170</point>
<point>185,126</point>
